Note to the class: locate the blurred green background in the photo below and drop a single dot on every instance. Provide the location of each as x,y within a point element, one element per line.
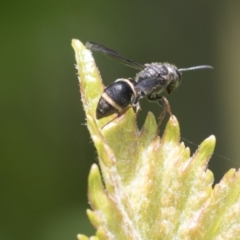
<point>46,151</point>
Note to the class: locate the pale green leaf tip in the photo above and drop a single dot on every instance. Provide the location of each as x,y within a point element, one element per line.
<point>172,130</point>
<point>152,188</point>
<point>94,218</point>
<point>96,193</point>
<point>150,125</point>
<point>82,237</point>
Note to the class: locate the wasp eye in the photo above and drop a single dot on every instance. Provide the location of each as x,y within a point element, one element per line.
<point>179,74</point>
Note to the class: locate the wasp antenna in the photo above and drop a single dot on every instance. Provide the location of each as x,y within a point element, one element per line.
<point>195,68</point>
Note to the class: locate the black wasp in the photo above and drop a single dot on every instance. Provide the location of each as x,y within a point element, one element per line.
<point>150,82</point>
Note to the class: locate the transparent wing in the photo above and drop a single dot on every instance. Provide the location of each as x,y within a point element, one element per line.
<point>114,55</point>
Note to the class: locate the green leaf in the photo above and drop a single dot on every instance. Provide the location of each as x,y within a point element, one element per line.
<point>150,187</point>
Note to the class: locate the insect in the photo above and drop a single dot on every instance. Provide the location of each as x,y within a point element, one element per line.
<point>149,82</point>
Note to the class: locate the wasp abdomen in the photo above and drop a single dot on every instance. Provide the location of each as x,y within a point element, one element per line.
<point>115,98</point>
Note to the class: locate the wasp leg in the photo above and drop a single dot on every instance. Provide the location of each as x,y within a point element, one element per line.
<point>135,103</point>
<point>166,108</point>
<point>138,109</point>
<point>163,102</point>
